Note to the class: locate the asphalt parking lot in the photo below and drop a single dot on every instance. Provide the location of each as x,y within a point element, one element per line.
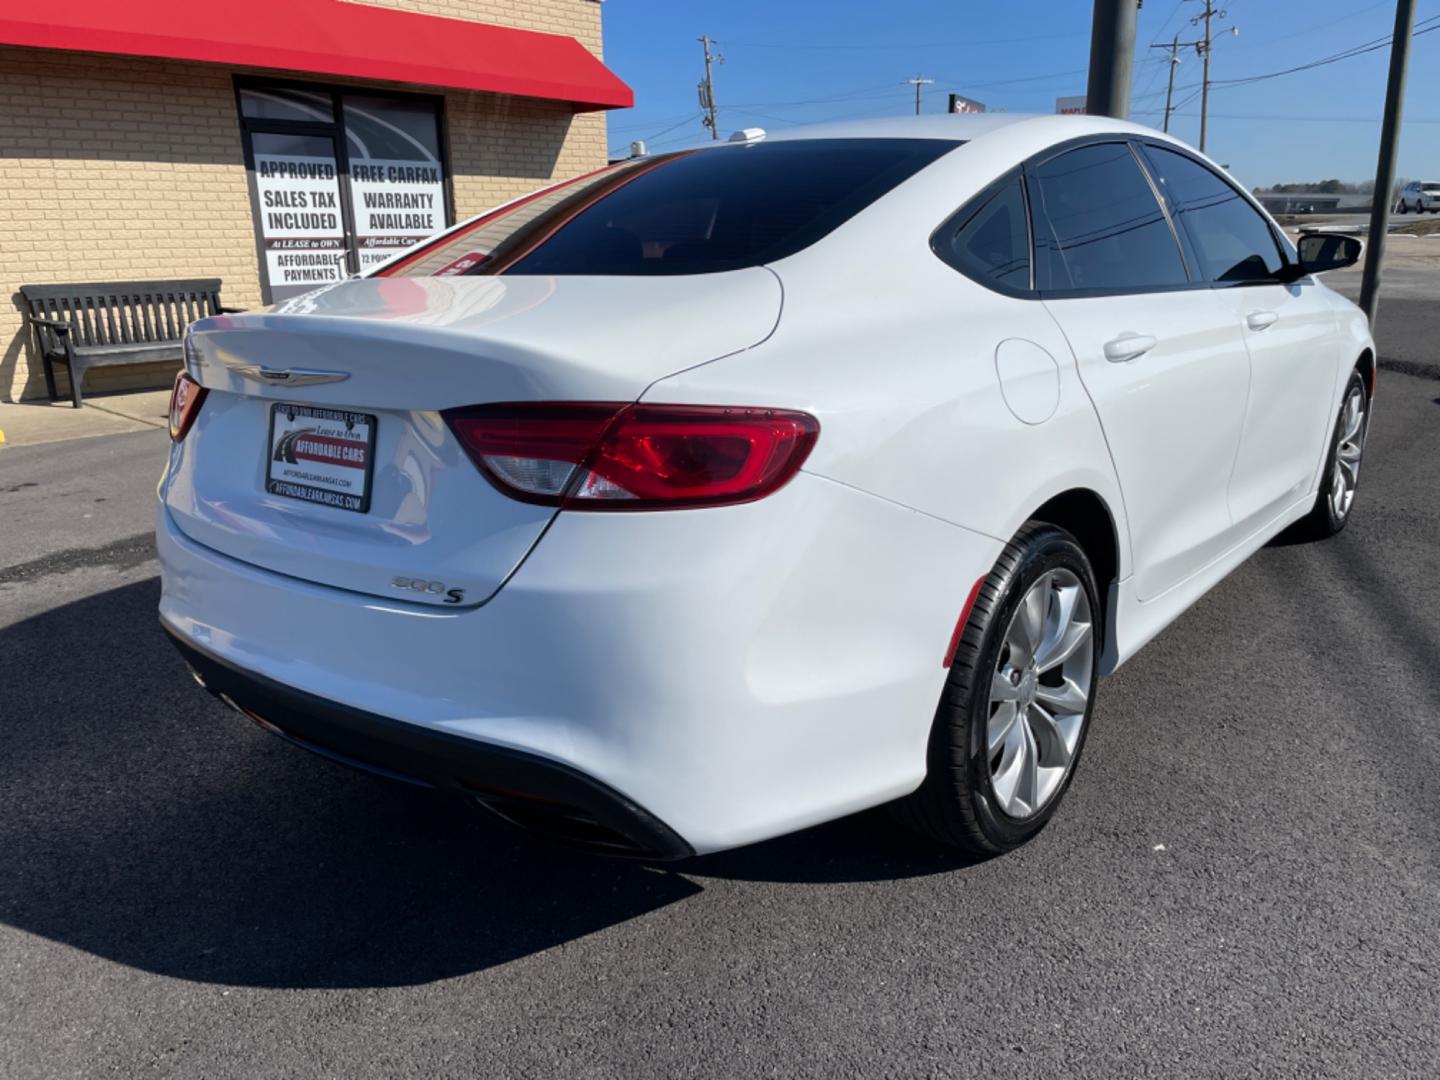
<point>1244,879</point>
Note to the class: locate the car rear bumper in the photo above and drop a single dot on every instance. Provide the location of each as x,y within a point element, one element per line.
<point>737,672</point>
<point>532,792</point>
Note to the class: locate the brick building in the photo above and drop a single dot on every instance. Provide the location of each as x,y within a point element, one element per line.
<point>275,145</point>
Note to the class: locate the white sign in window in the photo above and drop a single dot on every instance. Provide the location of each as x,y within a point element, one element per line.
<point>302,226</point>
<point>397,186</point>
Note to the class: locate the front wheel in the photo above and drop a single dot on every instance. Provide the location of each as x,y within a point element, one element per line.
<point>1015,710</point>
<point>1341,479</point>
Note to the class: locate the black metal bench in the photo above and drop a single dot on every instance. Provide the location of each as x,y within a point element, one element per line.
<point>118,322</point>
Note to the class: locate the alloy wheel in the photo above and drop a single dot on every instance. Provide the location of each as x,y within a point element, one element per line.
<point>1040,693</point>
<point>1346,469</point>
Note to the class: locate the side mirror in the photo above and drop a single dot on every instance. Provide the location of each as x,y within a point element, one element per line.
<point>1328,251</point>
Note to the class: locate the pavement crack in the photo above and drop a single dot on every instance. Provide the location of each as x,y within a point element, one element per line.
<point>121,554</point>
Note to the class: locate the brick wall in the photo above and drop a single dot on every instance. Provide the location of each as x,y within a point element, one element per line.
<point>118,169</point>
<point>579,19</point>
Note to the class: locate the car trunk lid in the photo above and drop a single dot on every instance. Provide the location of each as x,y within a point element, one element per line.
<point>320,453</point>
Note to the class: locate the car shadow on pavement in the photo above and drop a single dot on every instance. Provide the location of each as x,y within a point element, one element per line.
<point>143,822</point>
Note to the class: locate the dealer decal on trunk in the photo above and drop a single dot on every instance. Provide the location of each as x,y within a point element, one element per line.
<point>321,455</point>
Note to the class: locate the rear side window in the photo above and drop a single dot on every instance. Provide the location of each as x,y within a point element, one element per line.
<point>1233,243</point>
<point>1098,225</point>
<point>693,212</point>
<point>992,244</point>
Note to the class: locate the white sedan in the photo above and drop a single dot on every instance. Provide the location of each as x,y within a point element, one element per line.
<point>727,491</point>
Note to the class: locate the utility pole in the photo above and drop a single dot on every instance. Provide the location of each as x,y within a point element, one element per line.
<point>1203,48</point>
<point>1385,165</point>
<point>1205,75</point>
<point>707,87</point>
<point>1174,48</point>
<point>1112,58</point>
<point>919,82</point>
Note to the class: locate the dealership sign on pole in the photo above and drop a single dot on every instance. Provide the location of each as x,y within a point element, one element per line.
<point>961,104</point>
<point>1070,106</point>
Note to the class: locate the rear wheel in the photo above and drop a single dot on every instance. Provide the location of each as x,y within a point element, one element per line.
<point>1016,706</point>
<point>1341,479</point>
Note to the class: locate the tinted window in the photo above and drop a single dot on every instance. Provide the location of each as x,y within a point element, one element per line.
<point>286,103</point>
<point>1232,242</point>
<point>992,245</point>
<point>694,212</point>
<point>1098,225</point>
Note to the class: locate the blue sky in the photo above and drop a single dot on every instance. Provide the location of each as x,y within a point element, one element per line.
<point>799,61</point>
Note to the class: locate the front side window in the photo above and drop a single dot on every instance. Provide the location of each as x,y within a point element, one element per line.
<point>691,212</point>
<point>1233,243</point>
<point>992,245</point>
<point>1098,226</point>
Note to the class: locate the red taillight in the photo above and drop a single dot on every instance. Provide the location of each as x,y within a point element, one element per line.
<point>612,456</point>
<point>185,401</point>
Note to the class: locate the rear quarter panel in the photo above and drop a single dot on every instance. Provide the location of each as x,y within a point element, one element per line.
<point>898,363</point>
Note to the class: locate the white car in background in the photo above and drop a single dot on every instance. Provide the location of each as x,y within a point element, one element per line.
<point>727,491</point>
<point>1421,196</point>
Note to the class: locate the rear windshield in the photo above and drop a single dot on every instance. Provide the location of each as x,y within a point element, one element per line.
<point>692,212</point>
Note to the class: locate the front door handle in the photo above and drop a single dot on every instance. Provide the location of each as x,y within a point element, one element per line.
<point>1128,346</point>
<point>1259,320</point>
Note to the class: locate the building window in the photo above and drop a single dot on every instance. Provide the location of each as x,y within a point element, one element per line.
<point>340,179</point>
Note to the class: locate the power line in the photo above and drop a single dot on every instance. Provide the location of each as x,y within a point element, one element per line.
<point>856,94</point>
<point>870,46</point>
<point>1425,26</point>
<point>648,123</point>
<point>1014,82</point>
<point>1266,42</point>
<point>665,131</point>
<point>1156,62</point>
<point>1320,119</point>
<point>867,93</point>
<point>1166,24</point>
<point>763,116</point>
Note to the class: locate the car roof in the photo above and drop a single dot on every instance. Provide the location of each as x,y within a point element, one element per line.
<point>966,127</point>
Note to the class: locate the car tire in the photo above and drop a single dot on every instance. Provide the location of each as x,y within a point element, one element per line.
<point>981,793</point>
<point>1335,501</point>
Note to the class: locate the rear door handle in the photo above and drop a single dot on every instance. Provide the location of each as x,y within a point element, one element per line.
<point>1259,320</point>
<point>1128,346</point>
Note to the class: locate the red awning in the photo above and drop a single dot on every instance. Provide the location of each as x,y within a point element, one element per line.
<point>326,37</point>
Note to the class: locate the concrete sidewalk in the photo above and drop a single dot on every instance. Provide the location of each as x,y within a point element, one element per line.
<point>31,423</point>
